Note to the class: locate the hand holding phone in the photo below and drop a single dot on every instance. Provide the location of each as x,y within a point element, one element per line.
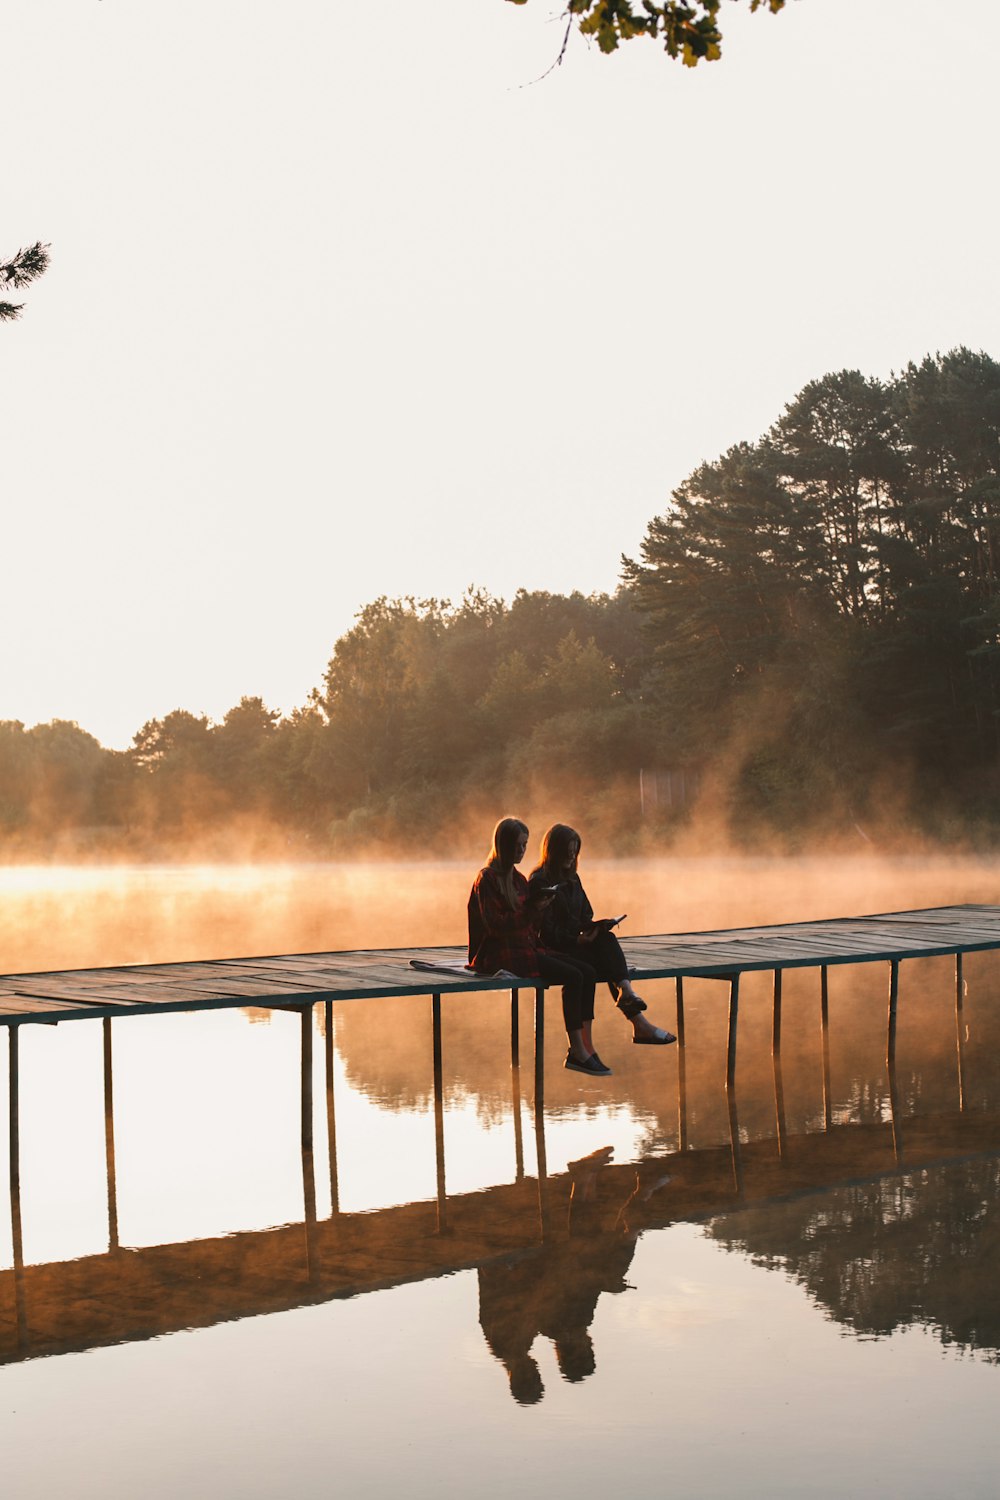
<point>602,924</point>
<point>541,895</point>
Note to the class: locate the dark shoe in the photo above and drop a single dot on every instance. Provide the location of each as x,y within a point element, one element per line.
<point>593,1065</point>
<point>631,1008</point>
<point>661,1039</point>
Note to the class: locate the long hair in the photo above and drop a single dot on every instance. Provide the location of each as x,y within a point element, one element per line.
<point>555,847</point>
<point>506,837</point>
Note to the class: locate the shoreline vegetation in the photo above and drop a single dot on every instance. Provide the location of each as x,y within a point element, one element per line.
<point>807,651</point>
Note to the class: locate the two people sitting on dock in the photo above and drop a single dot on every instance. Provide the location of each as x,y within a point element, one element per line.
<point>506,931</point>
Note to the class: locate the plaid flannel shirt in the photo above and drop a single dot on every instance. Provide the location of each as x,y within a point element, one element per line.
<point>501,937</point>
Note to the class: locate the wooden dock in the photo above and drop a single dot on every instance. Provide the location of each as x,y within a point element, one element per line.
<point>299,980</point>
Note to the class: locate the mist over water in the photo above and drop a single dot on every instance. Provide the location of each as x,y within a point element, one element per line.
<point>74,916</point>
<point>209,1167</point>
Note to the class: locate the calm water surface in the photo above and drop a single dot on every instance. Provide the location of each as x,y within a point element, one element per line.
<point>292,1276</point>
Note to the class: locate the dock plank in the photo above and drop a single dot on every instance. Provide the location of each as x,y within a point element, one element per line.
<point>21,1005</point>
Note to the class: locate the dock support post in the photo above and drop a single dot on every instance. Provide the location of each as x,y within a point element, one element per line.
<point>890,1046</point>
<point>734,1008</point>
<point>734,1125</point>
<point>515,1080</point>
<point>960,1029</point>
<point>824,1028</point>
<point>109,1138</point>
<point>306,1093</point>
<point>306,1122</point>
<point>895,1117</point>
<point>331,1117</point>
<point>682,1124</point>
<point>540,1106</point>
<point>890,1057</point>
<point>779,1103</point>
<point>14,1147</point>
<point>779,1091</point>
<point>515,1031</point>
<point>14,1143</point>
<point>442,1211</point>
<point>734,1140</point>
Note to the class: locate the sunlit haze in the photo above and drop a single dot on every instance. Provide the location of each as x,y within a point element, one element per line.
<point>342,303</point>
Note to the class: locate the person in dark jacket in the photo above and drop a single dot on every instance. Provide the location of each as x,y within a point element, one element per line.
<point>568,927</point>
<point>504,935</point>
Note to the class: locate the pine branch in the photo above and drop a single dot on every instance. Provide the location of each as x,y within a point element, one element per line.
<point>18,272</point>
<point>23,268</point>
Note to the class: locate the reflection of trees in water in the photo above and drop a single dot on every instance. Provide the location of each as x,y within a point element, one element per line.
<point>919,1248</point>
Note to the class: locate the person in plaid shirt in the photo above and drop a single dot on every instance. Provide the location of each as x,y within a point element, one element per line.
<point>504,935</point>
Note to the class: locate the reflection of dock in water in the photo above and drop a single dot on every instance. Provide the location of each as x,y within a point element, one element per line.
<point>126,1295</point>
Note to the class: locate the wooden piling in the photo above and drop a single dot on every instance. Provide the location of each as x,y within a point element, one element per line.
<point>734,1010</point>
<point>331,1115</point>
<point>109,1137</point>
<point>824,1027</point>
<point>442,1212</point>
<point>960,1029</point>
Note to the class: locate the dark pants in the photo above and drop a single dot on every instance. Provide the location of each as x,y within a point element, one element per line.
<point>605,957</point>
<point>577,979</point>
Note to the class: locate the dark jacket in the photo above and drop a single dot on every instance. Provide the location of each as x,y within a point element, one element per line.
<point>569,914</point>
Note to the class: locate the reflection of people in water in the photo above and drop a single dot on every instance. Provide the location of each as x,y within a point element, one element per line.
<point>568,926</point>
<point>504,934</point>
<point>554,1290</point>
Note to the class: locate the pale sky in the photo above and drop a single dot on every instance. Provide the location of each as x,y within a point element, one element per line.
<point>339,307</point>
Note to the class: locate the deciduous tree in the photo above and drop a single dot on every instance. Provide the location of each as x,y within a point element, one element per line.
<point>688,29</point>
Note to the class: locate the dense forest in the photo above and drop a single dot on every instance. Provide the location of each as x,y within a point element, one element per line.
<point>808,645</point>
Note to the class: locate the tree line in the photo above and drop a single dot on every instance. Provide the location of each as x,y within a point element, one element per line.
<point>812,629</point>
<point>425,706</point>
<point>824,603</point>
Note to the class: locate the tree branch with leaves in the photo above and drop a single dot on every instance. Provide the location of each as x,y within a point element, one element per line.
<point>688,29</point>
<point>17,273</point>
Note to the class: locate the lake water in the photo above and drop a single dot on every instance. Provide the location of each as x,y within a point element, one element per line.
<point>291,1275</point>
